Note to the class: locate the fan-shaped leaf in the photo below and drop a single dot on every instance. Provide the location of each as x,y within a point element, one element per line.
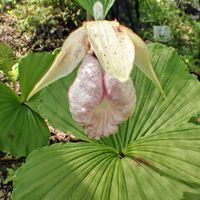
<point>154,113</point>
<point>173,153</point>
<point>155,154</point>
<point>21,129</point>
<point>31,69</point>
<point>94,163</point>
<point>94,171</point>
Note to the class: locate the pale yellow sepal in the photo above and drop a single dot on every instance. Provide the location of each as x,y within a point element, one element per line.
<point>71,54</point>
<point>142,59</point>
<point>112,46</point>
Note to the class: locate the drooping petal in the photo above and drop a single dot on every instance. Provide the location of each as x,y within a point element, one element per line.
<point>142,59</point>
<point>72,52</point>
<point>112,46</point>
<point>99,101</point>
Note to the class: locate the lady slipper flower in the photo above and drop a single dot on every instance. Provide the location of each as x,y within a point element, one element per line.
<point>98,100</point>
<point>102,95</point>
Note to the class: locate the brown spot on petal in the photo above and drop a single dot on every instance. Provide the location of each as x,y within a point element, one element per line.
<point>86,44</point>
<point>119,29</point>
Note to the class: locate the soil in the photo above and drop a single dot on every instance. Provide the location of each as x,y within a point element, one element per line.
<point>7,161</point>
<point>11,35</point>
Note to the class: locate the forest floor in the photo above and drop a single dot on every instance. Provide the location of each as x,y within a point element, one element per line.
<point>8,164</point>
<point>10,34</point>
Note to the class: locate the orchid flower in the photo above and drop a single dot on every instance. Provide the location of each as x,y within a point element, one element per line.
<point>98,100</point>
<point>102,95</point>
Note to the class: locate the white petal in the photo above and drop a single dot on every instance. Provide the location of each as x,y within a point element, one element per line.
<point>72,52</point>
<point>142,59</point>
<point>112,46</point>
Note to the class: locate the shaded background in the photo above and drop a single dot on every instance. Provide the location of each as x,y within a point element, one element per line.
<point>42,25</point>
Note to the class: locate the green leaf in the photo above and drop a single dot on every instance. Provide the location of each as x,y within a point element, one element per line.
<point>155,154</point>
<point>93,171</point>
<point>154,113</point>
<point>88,5</point>
<point>70,165</point>
<point>173,153</point>
<point>21,129</point>
<point>31,69</point>
<point>191,196</point>
<point>7,58</point>
<point>13,73</point>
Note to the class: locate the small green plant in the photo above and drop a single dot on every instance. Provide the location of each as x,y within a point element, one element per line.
<point>6,4</point>
<point>154,154</point>
<point>7,58</point>
<point>10,176</point>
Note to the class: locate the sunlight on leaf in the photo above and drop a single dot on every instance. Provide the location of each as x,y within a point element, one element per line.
<point>155,154</point>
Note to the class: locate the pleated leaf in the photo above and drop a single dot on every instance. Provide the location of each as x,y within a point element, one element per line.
<point>153,112</point>
<point>88,5</point>
<point>31,69</point>
<point>155,155</point>
<point>86,171</point>
<point>21,129</point>
<point>173,153</point>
